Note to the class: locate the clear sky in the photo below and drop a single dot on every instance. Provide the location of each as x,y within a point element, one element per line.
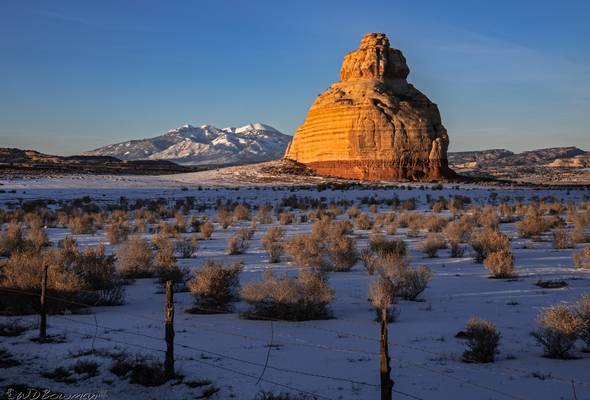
<point>75,75</point>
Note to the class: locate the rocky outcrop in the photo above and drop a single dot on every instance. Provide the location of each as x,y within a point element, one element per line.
<point>373,124</point>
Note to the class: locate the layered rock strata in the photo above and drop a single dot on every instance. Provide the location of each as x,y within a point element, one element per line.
<point>373,124</point>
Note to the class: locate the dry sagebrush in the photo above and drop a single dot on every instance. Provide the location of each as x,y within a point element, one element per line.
<point>432,244</point>
<point>300,298</point>
<point>582,258</point>
<point>216,286</point>
<point>482,341</point>
<point>272,243</point>
<point>558,331</point>
<point>206,230</point>
<point>135,259</point>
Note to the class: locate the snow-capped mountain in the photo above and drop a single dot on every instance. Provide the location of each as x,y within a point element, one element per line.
<point>206,144</point>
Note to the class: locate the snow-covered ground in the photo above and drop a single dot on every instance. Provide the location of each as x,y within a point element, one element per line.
<point>333,359</point>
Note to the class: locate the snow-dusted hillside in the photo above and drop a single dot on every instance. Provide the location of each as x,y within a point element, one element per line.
<point>204,145</point>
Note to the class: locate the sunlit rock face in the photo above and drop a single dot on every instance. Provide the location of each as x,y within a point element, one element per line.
<point>373,124</point>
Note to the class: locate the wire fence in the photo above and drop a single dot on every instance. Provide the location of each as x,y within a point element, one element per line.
<point>267,365</point>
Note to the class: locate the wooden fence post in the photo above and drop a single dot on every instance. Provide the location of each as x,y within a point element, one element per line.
<point>43,300</point>
<point>385,369</point>
<point>169,320</point>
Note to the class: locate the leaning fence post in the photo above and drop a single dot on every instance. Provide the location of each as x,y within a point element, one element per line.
<point>43,300</point>
<point>385,369</point>
<point>169,322</point>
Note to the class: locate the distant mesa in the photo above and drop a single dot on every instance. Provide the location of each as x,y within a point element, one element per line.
<point>373,124</point>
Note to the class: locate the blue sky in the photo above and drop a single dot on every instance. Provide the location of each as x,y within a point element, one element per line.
<point>75,75</point>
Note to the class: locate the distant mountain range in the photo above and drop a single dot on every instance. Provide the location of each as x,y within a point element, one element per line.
<point>204,145</point>
<point>496,158</point>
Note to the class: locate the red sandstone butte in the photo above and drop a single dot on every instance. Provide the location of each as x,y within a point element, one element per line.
<point>373,124</point>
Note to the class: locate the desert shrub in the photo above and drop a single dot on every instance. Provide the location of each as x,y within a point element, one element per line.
<point>304,250</point>
<point>165,263</point>
<point>582,258</point>
<point>241,213</point>
<point>381,293</point>
<point>382,246</point>
<point>88,368</point>
<point>67,250</point>
<point>272,243</point>
<point>432,223</point>
<point>174,274</point>
<point>286,218</point>
<point>117,232</point>
<point>186,247</point>
<point>24,270</point>
<point>36,238</point>
<point>334,209</point>
<point>12,239</point>
<point>135,259</point>
<point>558,331</point>
<point>432,244</point>
<point>482,341</point>
<point>305,297</point>
<point>353,212</point>
<point>363,222</point>
<point>237,244</point>
<point>579,232</point>
<point>179,225</point>
<point>534,224</point>
<point>408,204</point>
<point>405,218</point>
<point>487,241</point>
<point>439,206</point>
<point>456,233</point>
<point>141,370</point>
<point>246,233</point>
<point>215,286</point>
<point>501,263</point>
<point>582,310</point>
<point>206,230</point>
<point>321,228</point>
<point>99,275</point>
<point>369,260</point>
<point>166,230</point>
<point>164,251</point>
<point>506,212</point>
<point>225,218</point>
<point>561,239</point>
<point>195,223</point>
<point>489,218</point>
<point>83,223</point>
<point>391,228</point>
<point>407,282</point>
<point>341,250</point>
<point>264,215</point>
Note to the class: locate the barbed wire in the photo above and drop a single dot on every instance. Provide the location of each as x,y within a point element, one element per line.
<point>286,370</point>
